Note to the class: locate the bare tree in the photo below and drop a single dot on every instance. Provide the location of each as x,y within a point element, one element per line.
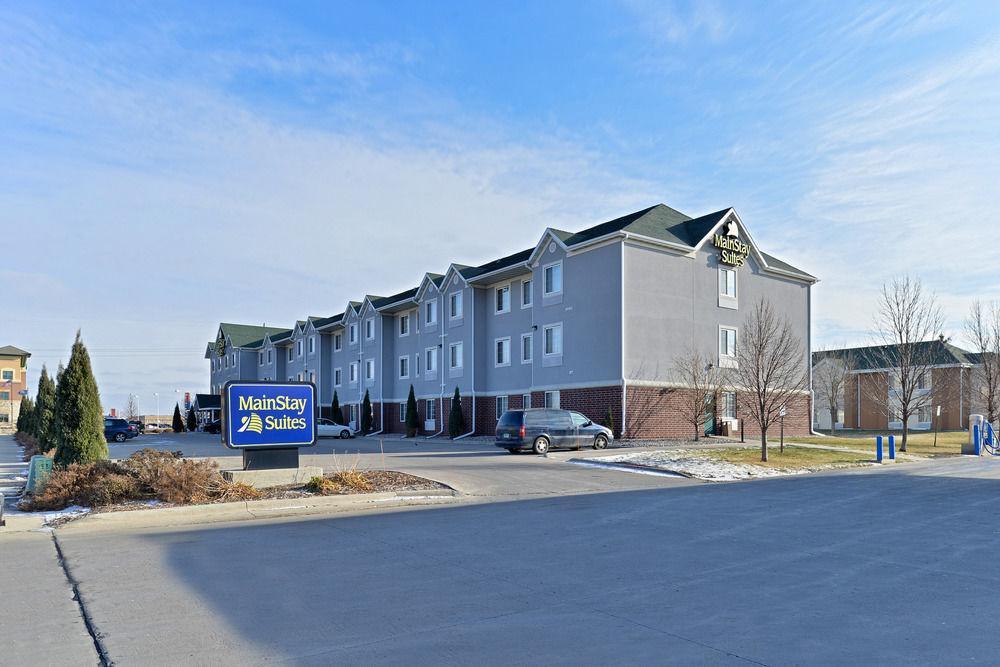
<point>770,367</point>
<point>701,379</point>
<point>829,379</point>
<point>982,327</point>
<point>132,408</point>
<point>907,321</point>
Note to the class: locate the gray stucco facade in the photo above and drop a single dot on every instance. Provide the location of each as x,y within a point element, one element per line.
<point>574,320</point>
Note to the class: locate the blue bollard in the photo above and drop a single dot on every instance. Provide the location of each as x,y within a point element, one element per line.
<point>976,444</point>
<point>990,438</point>
<point>892,448</point>
<point>878,449</point>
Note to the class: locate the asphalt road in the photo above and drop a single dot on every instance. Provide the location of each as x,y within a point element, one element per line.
<point>885,567</point>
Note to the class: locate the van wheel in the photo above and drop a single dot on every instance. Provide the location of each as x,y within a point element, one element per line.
<point>541,445</point>
<point>600,442</point>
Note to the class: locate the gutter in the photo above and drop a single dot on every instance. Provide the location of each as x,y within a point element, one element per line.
<point>440,361</point>
<point>464,435</point>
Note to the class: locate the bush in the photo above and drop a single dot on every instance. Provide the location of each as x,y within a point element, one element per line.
<point>30,445</point>
<point>456,420</point>
<point>366,414</point>
<point>78,420</point>
<point>412,417</point>
<point>177,423</point>
<point>91,484</point>
<point>609,421</point>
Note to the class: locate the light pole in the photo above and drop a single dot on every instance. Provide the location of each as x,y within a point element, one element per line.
<point>157,395</point>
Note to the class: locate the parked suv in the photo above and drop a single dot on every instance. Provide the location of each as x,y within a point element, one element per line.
<point>540,429</point>
<point>118,430</point>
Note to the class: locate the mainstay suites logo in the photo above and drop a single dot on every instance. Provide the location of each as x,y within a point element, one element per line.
<point>734,252</point>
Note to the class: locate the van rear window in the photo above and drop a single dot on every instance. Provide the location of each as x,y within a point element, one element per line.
<point>511,418</point>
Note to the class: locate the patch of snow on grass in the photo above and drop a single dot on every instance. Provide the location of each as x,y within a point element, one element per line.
<point>692,464</point>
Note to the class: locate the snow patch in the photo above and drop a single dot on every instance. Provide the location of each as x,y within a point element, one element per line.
<point>71,512</point>
<point>691,464</point>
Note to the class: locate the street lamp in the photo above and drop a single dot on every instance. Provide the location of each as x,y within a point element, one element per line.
<point>157,395</point>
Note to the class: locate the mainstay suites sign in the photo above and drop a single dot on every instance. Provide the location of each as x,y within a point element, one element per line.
<point>268,414</point>
<point>734,252</point>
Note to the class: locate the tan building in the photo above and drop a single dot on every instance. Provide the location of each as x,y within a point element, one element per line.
<point>13,381</point>
<point>868,398</point>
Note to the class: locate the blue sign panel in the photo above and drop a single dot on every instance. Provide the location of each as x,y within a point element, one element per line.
<point>268,414</point>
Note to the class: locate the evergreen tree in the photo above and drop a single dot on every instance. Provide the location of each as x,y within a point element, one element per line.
<point>54,428</point>
<point>335,413</point>
<point>609,421</point>
<point>178,422</point>
<point>81,424</point>
<point>45,405</point>
<point>192,420</point>
<point>24,416</point>
<point>456,420</point>
<point>366,414</point>
<point>412,418</point>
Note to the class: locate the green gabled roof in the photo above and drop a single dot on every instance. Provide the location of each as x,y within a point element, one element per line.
<point>936,352</point>
<point>242,335</point>
<point>649,222</point>
<point>436,278</point>
<point>519,257</point>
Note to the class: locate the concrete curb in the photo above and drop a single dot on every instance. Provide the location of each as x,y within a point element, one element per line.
<point>238,511</point>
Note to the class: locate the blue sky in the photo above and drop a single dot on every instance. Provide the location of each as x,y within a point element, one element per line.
<point>167,166</point>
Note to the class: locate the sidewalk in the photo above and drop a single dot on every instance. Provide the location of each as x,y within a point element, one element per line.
<point>13,471</point>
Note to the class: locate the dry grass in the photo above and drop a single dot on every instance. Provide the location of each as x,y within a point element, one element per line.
<point>949,443</point>
<point>793,458</point>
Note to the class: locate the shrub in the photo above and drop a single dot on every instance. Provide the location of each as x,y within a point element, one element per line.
<point>227,491</point>
<point>456,420</point>
<point>186,481</point>
<point>609,421</point>
<point>412,417</point>
<point>30,445</point>
<point>92,484</point>
<point>366,414</point>
<point>178,422</point>
<point>323,486</point>
<point>335,413</point>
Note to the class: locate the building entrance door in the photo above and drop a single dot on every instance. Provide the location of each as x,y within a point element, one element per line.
<point>710,417</point>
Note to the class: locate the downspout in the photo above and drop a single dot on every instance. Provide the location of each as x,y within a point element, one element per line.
<point>624,389</point>
<point>812,394</point>
<point>440,362</point>
<point>381,381</point>
<point>473,341</point>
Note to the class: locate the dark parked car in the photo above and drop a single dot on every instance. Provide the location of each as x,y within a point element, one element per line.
<point>139,426</point>
<point>214,426</point>
<point>540,429</point>
<point>118,430</point>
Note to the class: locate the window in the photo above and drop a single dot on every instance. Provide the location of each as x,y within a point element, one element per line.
<point>526,347</point>
<point>298,378</point>
<point>727,342</point>
<point>269,356</point>
<point>431,357</point>
<point>552,400</point>
<point>225,362</point>
<point>552,278</point>
<point>369,369</point>
<point>501,406</point>
<point>234,360</point>
<point>578,419</point>
<point>553,339</point>
<point>430,407</point>
<point>417,361</point>
<point>729,405</point>
<point>338,342</point>
<point>502,302</point>
<point>369,329</point>
<point>352,333</point>
<point>922,384</point>
<point>402,413</point>
<point>260,359</point>
<point>924,413</point>
<point>404,325</point>
<point>526,293</point>
<point>338,376</point>
<point>430,312</point>
<point>4,418</point>
<point>4,395</point>
<point>525,401</point>
<point>298,348</point>
<point>312,377</point>
<point>455,305</point>
<point>727,282</point>
<point>502,350</point>
<point>353,372</point>
<point>404,367</point>
<point>312,344</point>
<point>455,352</point>
<point>289,354</point>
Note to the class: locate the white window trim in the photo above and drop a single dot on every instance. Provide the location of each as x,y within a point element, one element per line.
<point>269,356</point>
<point>370,321</point>
<point>736,283</point>
<point>531,348</point>
<point>404,317</point>
<point>430,409</point>
<point>561,341</point>
<point>370,363</point>
<point>338,376</point>
<point>402,413</point>
<point>728,360</point>
<point>531,297</point>
<point>430,308</point>
<point>298,348</point>
<point>460,300</point>
<point>312,344</point>
<point>260,358</point>
<point>457,357</point>
<point>403,358</point>
<point>352,331</point>
<point>506,402</point>
<point>496,293</point>
<point>338,342</point>
<point>558,401</point>
<point>561,278</point>
<point>506,362</point>
<point>525,401</point>
<point>291,353</point>
<point>354,371</point>
<point>430,368</point>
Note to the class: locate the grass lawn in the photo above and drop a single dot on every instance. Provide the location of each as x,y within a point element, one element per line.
<point>921,443</point>
<point>792,458</point>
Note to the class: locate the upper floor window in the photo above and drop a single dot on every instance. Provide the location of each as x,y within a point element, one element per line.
<point>338,342</point>
<point>430,312</point>
<point>552,275</point>
<point>312,344</point>
<point>338,376</point>
<point>225,362</point>
<point>526,348</point>
<point>455,355</point>
<point>727,343</point>
<point>553,339</point>
<point>430,357</point>
<point>455,305</point>
<point>298,347</point>
<point>404,367</point>
<point>289,354</point>
<point>369,369</point>
<point>260,358</point>
<point>233,364</point>
<point>269,356</point>
<point>404,325</point>
<point>503,299</point>
<point>502,357</point>
<point>526,293</point>
<point>727,282</point>
<point>353,372</point>
<point>369,329</point>
<point>352,333</point>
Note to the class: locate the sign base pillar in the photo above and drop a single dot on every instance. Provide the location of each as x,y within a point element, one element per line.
<point>270,458</point>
